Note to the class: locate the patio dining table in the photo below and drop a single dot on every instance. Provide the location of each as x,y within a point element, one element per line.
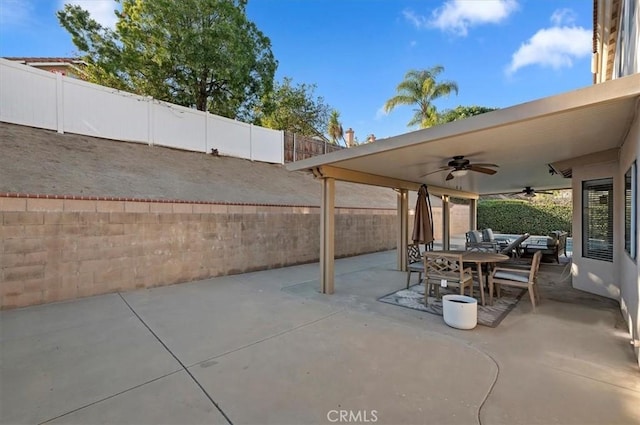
<point>480,258</point>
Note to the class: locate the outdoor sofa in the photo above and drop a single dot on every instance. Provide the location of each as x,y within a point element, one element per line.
<point>551,246</point>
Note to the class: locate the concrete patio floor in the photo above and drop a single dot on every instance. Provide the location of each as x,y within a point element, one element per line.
<point>266,348</point>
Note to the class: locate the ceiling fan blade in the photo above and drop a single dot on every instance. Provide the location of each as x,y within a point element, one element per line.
<point>484,165</point>
<point>449,177</point>
<point>546,193</point>
<point>481,169</point>
<point>443,168</point>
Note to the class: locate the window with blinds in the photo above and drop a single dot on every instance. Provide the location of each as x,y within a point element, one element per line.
<point>630,205</point>
<point>597,219</point>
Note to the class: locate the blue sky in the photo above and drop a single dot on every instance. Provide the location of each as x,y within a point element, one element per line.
<point>500,52</point>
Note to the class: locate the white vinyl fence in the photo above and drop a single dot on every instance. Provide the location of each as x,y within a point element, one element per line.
<point>42,99</point>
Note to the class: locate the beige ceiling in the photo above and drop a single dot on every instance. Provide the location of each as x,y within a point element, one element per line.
<point>521,139</point>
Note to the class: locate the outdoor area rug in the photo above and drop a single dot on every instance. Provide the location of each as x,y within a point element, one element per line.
<point>489,315</point>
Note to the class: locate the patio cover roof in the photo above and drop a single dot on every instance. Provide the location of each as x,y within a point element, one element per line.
<point>521,139</point>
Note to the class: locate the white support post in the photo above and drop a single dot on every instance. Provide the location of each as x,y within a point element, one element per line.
<point>403,228</point>
<point>327,236</point>
<point>446,219</point>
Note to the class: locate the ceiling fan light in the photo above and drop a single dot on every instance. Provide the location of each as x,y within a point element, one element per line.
<point>459,173</point>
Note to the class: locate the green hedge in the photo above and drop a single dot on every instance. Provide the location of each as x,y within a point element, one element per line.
<point>517,217</point>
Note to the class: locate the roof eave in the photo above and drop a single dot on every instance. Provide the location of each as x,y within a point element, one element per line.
<point>605,92</point>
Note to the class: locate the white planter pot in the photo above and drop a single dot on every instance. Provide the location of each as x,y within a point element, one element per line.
<point>460,311</point>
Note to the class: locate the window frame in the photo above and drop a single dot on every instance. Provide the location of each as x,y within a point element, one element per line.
<point>630,211</point>
<point>626,48</point>
<point>597,248</point>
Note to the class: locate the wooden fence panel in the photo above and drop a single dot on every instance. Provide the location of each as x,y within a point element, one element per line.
<point>298,147</point>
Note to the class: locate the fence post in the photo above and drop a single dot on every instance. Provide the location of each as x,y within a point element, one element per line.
<point>295,152</point>
<point>282,159</point>
<point>59,103</point>
<point>150,120</point>
<point>206,130</point>
<point>251,142</point>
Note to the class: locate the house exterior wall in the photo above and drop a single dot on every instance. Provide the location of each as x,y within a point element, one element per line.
<point>628,268</point>
<point>627,54</point>
<point>62,66</point>
<point>619,279</point>
<point>617,54</point>
<point>598,277</point>
<point>616,39</point>
<point>63,69</point>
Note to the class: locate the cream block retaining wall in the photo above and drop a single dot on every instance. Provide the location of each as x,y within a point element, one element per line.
<point>55,249</point>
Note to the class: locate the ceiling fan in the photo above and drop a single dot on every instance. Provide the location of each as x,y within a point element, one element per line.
<point>459,166</point>
<point>530,192</point>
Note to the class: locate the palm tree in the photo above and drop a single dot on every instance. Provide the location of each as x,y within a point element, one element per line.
<point>334,128</point>
<point>420,88</point>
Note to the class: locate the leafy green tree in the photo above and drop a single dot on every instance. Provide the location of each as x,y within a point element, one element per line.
<point>420,88</point>
<point>334,128</point>
<point>462,112</point>
<point>197,53</point>
<point>294,108</point>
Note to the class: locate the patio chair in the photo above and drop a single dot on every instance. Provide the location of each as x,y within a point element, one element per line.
<point>519,278</point>
<point>476,243</point>
<point>473,236</point>
<point>487,235</point>
<point>448,268</point>
<point>480,247</point>
<point>514,249</point>
<point>414,262</point>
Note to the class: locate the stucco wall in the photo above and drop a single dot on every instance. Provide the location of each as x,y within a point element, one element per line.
<point>619,279</point>
<point>598,277</point>
<point>60,249</point>
<point>628,268</point>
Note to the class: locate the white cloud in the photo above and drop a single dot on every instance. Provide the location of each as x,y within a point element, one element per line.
<point>417,20</point>
<point>100,10</point>
<point>381,113</point>
<point>554,47</point>
<point>563,17</point>
<point>457,16</point>
<point>15,12</point>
